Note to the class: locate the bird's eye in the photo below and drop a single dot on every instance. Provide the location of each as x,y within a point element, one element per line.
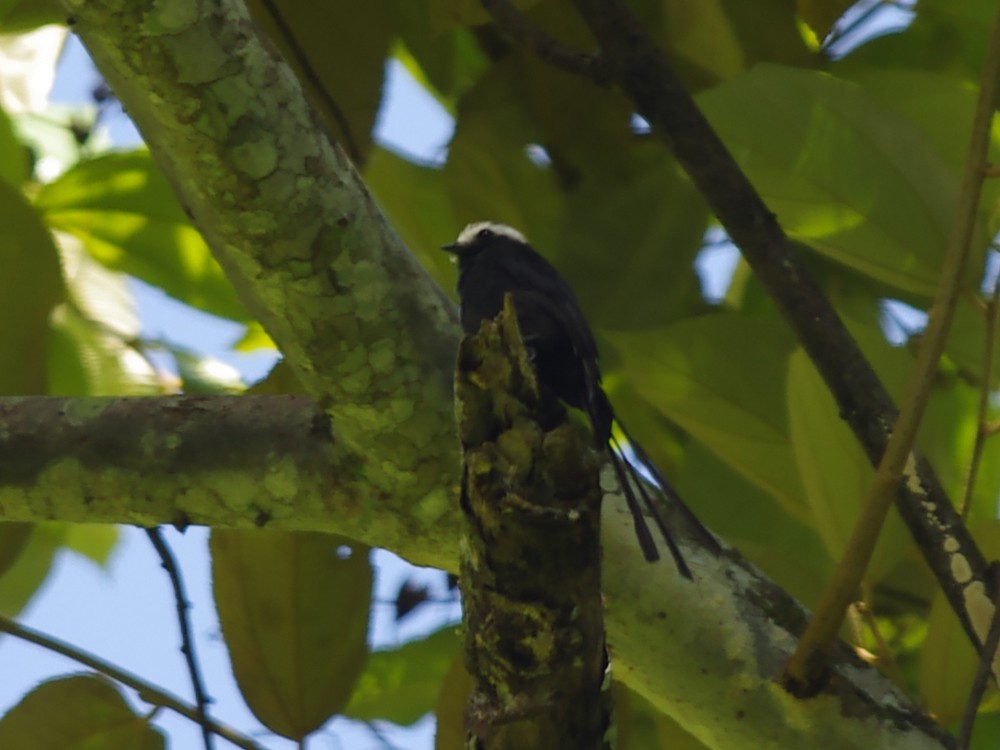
<point>484,234</point>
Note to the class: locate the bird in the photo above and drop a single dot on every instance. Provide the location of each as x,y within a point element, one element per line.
<point>495,260</point>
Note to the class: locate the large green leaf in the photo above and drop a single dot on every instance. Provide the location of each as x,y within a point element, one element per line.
<point>13,154</point>
<point>30,288</point>
<point>28,571</point>
<point>414,199</point>
<point>451,706</point>
<point>845,174</point>
<point>720,377</point>
<point>294,609</point>
<point>628,243</point>
<point>446,63</point>
<point>338,51</point>
<point>123,210</point>
<point>835,471</point>
<point>402,684</point>
<point>489,173</point>
<point>781,542</point>
<point>83,712</point>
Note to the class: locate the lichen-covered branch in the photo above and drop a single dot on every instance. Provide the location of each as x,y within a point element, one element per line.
<point>292,224</point>
<point>225,462</point>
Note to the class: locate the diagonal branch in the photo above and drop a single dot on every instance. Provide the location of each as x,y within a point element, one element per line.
<point>641,70</point>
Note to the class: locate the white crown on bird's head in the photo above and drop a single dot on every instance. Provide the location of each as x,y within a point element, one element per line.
<point>468,235</point>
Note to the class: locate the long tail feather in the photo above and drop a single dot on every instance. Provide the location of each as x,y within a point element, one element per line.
<point>634,481</point>
<point>642,533</point>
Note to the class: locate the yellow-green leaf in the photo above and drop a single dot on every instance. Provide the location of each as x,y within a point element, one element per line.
<point>124,212</point>
<point>719,377</point>
<point>845,174</point>
<point>30,287</point>
<point>401,684</point>
<point>835,471</point>
<point>84,712</point>
<point>294,609</point>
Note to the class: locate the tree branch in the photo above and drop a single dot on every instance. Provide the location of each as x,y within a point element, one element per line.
<point>515,24</point>
<point>374,341</point>
<point>228,462</point>
<point>658,95</point>
<point>183,606</point>
<point>296,231</point>
<point>241,462</point>
<point>147,691</point>
<point>806,666</point>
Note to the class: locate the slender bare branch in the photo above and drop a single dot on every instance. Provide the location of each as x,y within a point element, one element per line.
<point>147,691</point>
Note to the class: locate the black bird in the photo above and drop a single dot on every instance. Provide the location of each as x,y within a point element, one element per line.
<point>493,260</point>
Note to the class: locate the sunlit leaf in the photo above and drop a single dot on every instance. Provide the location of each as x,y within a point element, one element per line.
<point>30,287</point>
<point>846,175</point>
<point>124,212</point>
<point>95,541</point>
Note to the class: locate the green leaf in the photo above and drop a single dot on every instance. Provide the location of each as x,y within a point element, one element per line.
<point>124,212</point>
<point>720,378</point>
<point>489,174</point>
<point>339,52</point>
<point>655,220</point>
<point>414,199</point>
<point>845,174</point>
<point>206,375</point>
<point>445,63</point>
<point>91,351</point>
<point>95,541</point>
<point>30,569</point>
<point>13,539</point>
<point>30,287</point>
<point>779,540</point>
<point>453,698</point>
<point>835,471</point>
<point>83,712</point>
<point>294,610</point>
<point>13,154</point>
<point>402,684</point>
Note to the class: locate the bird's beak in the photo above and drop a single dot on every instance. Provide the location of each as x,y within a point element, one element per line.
<point>451,247</point>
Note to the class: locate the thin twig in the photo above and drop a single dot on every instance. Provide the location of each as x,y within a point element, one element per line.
<point>809,659</point>
<point>187,642</point>
<point>519,27</point>
<point>982,674</point>
<point>147,691</point>
<point>985,391</point>
<point>883,652</point>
